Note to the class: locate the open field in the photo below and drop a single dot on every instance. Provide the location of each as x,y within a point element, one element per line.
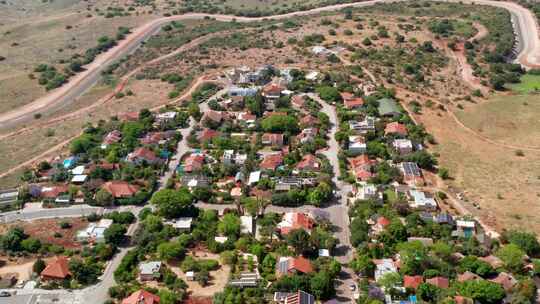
<point>511,119</point>
<point>505,185</point>
<point>529,83</point>
<point>45,230</point>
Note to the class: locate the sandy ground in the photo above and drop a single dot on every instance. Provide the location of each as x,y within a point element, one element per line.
<point>23,271</point>
<point>219,278</point>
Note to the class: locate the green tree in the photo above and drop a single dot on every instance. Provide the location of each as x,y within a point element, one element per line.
<point>173,203</point>
<point>528,242</point>
<point>39,265</point>
<point>322,285</point>
<point>104,198</point>
<point>229,225</point>
<point>280,123</point>
<point>31,245</point>
<point>115,234</point>
<point>483,291</point>
<point>170,251</point>
<point>428,292</point>
<point>300,240</point>
<point>512,256</point>
<point>328,93</point>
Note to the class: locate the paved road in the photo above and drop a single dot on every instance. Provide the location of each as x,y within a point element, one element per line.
<point>525,29</point>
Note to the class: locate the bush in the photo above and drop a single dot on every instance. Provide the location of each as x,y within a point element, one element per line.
<point>64,225</point>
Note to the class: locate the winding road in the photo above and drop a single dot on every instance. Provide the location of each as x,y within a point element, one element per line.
<point>525,26</point>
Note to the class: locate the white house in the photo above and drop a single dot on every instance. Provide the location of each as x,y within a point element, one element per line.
<point>95,231</point>
<point>357,144</point>
<point>254,177</point>
<point>247,224</point>
<point>403,146</point>
<point>383,267</point>
<point>182,224</point>
<point>421,200</point>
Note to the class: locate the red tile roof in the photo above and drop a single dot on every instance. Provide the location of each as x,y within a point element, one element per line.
<point>208,134</point>
<point>272,139</point>
<point>141,297</point>
<point>216,116</point>
<point>271,161</point>
<point>383,221</point>
<point>272,88</point>
<point>57,269</point>
<point>120,189</point>
<point>412,281</point>
<point>309,120</point>
<point>144,154</point>
<point>194,162</point>
<point>309,162</point>
<point>299,220</point>
<point>300,264</point>
<point>440,282</point>
<point>298,100</point>
<point>395,128</point>
<point>113,137</point>
<point>54,191</point>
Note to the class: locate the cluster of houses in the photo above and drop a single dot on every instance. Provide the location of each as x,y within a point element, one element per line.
<point>77,178</point>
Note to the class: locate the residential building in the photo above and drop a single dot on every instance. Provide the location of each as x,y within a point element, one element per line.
<point>194,181</point>
<point>290,265</point>
<point>351,102</point>
<point>247,224</point>
<point>357,144</point>
<point>271,139</point>
<point>149,271</point>
<point>295,220</point>
<point>128,116</point>
<point>56,269</point>
<point>120,189</point>
<point>9,197</point>
<point>412,281</point>
<point>364,126</point>
<point>402,146</point>
<point>421,200</point>
<point>254,177</point>
<point>395,129</point>
<point>299,297</point>
<point>111,138</point>
<point>440,282</point>
<point>307,135</point>
<point>271,161</point>
<point>367,192</point>
<point>207,135</point>
<point>361,167</point>
<point>141,155</point>
<point>141,297</point>
<point>388,107</point>
<point>194,163</point>
<point>182,224</point>
<point>506,280</point>
<point>298,101</point>
<point>309,163</point>
<point>412,175</point>
<point>238,91</point>
<point>465,228</point>
<point>95,232</point>
<point>384,266</point>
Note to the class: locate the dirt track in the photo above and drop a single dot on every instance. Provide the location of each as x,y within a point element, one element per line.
<point>83,81</point>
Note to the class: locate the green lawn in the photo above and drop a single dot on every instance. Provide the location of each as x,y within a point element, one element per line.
<point>529,83</point>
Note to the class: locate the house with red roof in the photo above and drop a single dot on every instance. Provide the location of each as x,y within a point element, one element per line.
<point>141,297</point>
<point>352,102</point>
<point>412,281</point>
<point>379,225</point>
<point>361,167</point>
<point>309,121</point>
<point>207,135</point>
<point>309,163</point>
<point>111,138</point>
<point>120,189</point>
<point>194,162</point>
<point>395,128</point>
<point>307,135</point>
<point>271,139</point>
<point>290,265</point>
<point>271,161</point>
<point>57,269</point>
<point>298,101</point>
<point>52,192</point>
<point>215,116</point>
<point>272,91</point>
<point>143,154</point>
<point>295,220</point>
<point>440,282</point>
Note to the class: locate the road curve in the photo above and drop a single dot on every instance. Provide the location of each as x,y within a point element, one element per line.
<point>524,22</point>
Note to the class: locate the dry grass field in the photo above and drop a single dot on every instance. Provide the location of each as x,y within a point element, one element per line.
<point>505,185</point>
